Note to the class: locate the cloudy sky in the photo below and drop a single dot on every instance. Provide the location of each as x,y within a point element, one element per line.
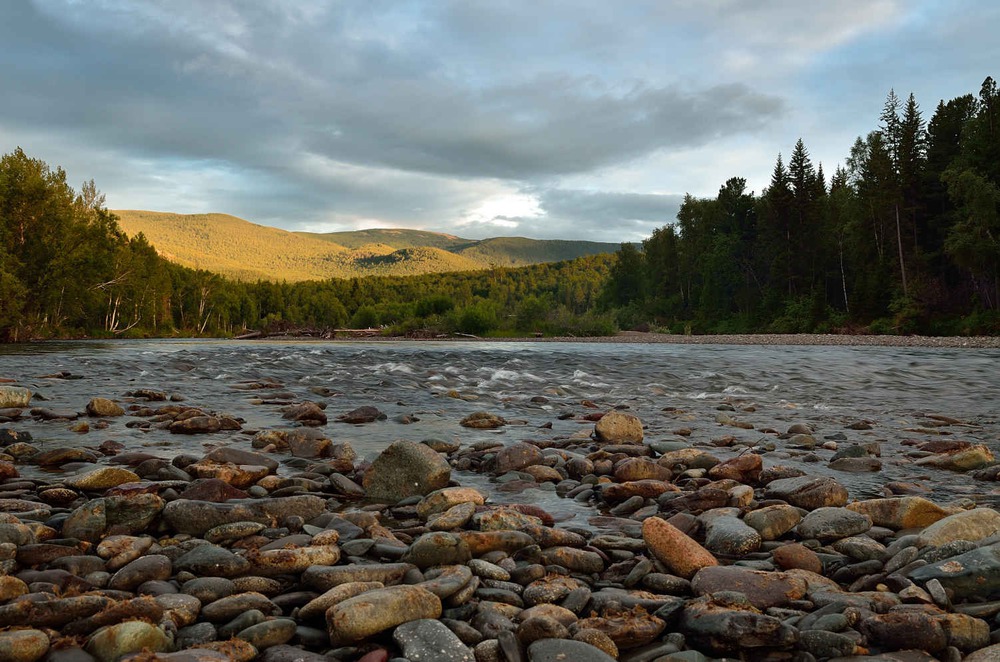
<point>540,118</point>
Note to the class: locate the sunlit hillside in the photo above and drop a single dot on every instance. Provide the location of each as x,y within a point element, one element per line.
<point>240,249</point>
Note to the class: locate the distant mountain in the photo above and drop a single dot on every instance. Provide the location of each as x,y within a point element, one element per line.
<point>240,249</point>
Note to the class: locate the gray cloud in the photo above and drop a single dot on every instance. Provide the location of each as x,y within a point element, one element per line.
<point>414,113</point>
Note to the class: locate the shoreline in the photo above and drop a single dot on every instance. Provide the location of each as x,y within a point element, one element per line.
<point>637,337</point>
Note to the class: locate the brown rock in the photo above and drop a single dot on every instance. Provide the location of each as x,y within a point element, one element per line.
<point>796,555</point>
<point>681,554</point>
<point>616,427</point>
<point>362,616</point>
<point>762,589</point>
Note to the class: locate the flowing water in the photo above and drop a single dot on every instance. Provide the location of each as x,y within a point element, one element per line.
<point>434,385</point>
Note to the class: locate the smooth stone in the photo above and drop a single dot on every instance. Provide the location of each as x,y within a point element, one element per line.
<point>23,645</point>
<point>681,554</point>
<point>114,641</point>
<point>225,609</point>
<point>428,640</point>
<point>808,492</point>
<point>197,517</point>
<point>448,497</point>
<point>829,523</point>
<point>762,589</point>
<point>212,561</point>
<point>14,397</point>
<point>437,548</point>
<point>317,607</point>
<point>324,578</point>
<point>406,469</point>
<point>563,650</point>
<point>516,457</point>
<point>796,555</point>
<point>294,561</point>
<point>906,512</point>
<point>103,407</point>
<point>905,630</point>
<point>721,624</point>
<point>574,560</point>
<point>731,536</point>
<point>962,460</point>
<point>617,427</point>
<point>269,633</point>
<point>360,617</point>
<point>974,525</point>
<point>972,574</point>
<point>209,589</point>
<point>772,522</point>
<point>102,479</point>
<point>122,514</point>
<point>143,569</point>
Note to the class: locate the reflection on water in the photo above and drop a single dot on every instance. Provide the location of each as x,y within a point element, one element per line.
<point>531,384</point>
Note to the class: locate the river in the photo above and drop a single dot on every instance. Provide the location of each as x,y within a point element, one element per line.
<point>544,390</point>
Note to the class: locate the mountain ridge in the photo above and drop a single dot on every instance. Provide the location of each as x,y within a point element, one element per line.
<point>241,249</point>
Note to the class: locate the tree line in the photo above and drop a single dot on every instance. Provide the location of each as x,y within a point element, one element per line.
<point>68,270</point>
<point>903,238</point>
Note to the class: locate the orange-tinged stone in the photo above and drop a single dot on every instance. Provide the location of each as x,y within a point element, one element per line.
<point>674,549</point>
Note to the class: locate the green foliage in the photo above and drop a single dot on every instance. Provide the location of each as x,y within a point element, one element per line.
<point>477,318</point>
<point>436,304</point>
<point>904,238</point>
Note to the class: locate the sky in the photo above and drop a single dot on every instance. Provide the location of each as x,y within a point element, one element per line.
<point>553,119</point>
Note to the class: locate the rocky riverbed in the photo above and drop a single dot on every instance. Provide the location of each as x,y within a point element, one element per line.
<point>688,537</point>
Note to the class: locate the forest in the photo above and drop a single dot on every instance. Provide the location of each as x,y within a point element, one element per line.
<point>903,238</point>
<point>67,270</point>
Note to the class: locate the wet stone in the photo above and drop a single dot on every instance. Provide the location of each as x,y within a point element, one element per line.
<point>429,640</point>
<point>212,561</point>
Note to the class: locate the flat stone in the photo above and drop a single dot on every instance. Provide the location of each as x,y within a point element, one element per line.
<point>428,640</point>
<point>360,617</point>
<point>102,479</point>
<point>212,561</point>
<point>974,525</point>
<point>563,650</point>
<point>762,589</point>
<point>826,524</point>
<point>808,492</point>
<point>905,512</point>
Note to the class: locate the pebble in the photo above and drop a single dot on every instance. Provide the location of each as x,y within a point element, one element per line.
<point>303,552</point>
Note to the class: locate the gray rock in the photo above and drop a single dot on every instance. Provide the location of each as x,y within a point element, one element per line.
<point>406,469</point>
<point>427,640</point>
<point>561,650</point>
<point>809,492</point>
<point>969,575</point>
<point>731,536</point>
<point>125,514</point>
<point>826,524</point>
<point>212,561</point>
<point>197,517</point>
<point>269,633</point>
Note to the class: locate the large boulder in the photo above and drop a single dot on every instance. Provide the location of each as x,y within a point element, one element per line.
<point>406,469</point>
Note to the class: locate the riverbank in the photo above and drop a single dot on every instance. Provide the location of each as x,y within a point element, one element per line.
<point>230,501</point>
<point>637,337</point>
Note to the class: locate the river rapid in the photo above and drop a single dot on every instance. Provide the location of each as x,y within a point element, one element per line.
<point>690,393</point>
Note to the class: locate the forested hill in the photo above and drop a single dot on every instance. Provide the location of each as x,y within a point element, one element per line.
<point>903,238</point>
<point>243,250</point>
